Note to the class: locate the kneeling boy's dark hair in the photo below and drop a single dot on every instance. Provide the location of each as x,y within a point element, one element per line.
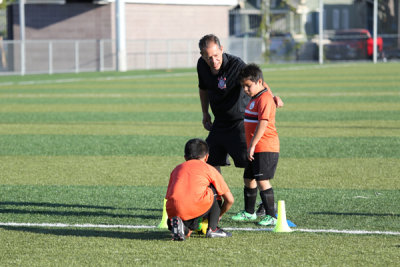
<point>195,149</point>
<point>251,72</point>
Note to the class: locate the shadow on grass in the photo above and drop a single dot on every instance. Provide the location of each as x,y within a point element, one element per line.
<point>58,205</point>
<point>355,214</point>
<point>76,213</point>
<point>145,235</point>
<point>55,205</point>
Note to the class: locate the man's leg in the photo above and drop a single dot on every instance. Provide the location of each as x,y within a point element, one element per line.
<point>218,155</point>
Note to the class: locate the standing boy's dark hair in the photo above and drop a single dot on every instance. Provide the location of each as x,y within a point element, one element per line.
<point>251,72</point>
<point>195,149</point>
<point>206,40</point>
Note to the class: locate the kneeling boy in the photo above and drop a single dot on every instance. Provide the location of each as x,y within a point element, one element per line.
<point>193,192</point>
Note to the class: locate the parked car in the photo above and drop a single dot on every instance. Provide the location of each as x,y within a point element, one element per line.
<point>282,47</point>
<point>352,44</point>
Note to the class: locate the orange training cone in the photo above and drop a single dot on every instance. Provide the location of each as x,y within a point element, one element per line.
<point>281,223</point>
<point>163,223</point>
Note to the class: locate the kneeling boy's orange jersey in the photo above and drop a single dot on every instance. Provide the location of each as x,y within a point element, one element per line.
<point>189,195</point>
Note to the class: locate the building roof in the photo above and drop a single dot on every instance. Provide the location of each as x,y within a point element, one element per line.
<point>162,2</point>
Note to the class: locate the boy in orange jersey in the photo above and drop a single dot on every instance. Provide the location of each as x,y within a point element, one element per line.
<point>262,146</point>
<point>193,193</point>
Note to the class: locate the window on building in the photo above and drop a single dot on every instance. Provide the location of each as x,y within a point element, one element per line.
<point>336,19</point>
<point>345,19</point>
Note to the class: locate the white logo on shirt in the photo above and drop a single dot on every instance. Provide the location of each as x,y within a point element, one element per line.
<point>252,105</point>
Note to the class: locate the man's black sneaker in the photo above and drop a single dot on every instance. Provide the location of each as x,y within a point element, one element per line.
<point>261,210</point>
<point>217,233</point>
<point>178,229</point>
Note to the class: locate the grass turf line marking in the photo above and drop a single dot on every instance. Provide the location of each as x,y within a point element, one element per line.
<point>160,75</point>
<point>116,226</point>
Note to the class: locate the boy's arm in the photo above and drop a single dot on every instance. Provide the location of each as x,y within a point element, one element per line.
<point>278,101</point>
<point>228,202</point>
<point>260,129</point>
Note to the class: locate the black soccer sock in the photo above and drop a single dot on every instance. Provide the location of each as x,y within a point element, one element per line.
<point>267,197</point>
<point>213,216</point>
<point>250,197</point>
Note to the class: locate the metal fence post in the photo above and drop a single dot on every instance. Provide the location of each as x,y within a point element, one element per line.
<point>245,40</point>
<point>189,58</point>
<point>375,31</point>
<point>50,57</point>
<point>22,34</point>
<point>147,52</point>
<point>168,54</point>
<point>77,56</point>
<point>101,47</point>
<point>321,31</point>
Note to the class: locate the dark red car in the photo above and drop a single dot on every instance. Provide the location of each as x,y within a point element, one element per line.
<point>352,44</point>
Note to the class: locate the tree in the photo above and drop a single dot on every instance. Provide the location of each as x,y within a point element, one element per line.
<point>264,29</point>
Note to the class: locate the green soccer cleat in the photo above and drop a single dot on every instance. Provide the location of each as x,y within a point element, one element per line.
<point>268,221</point>
<point>244,216</point>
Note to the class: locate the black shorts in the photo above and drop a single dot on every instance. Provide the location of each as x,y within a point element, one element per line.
<point>262,167</point>
<point>230,142</point>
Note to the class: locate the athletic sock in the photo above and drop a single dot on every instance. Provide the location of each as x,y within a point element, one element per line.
<point>267,197</point>
<point>250,197</point>
<point>213,216</point>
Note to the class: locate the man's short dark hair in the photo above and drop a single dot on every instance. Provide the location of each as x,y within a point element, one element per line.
<point>251,72</point>
<point>206,40</point>
<point>196,149</point>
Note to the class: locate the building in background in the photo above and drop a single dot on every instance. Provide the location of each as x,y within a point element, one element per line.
<point>150,25</point>
<point>79,35</point>
<point>300,17</point>
<point>145,19</point>
<point>294,24</point>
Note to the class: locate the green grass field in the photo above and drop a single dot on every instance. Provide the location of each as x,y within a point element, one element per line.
<point>80,152</point>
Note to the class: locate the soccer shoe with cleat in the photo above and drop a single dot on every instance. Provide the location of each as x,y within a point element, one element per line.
<point>261,210</point>
<point>178,229</point>
<point>244,216</point>
<point>217,233</point>
<point>268,221</point>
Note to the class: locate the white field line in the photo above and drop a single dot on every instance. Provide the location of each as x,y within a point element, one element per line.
<point>116,226</point>
<point>161,75</point>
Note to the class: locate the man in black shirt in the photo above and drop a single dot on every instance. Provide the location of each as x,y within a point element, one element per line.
<point>219,88</point>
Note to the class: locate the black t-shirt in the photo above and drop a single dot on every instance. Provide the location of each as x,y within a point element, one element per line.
<point>227,98</point>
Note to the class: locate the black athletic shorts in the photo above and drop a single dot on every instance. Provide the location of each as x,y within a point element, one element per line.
<point>262,167</point>
<point>224,142</point>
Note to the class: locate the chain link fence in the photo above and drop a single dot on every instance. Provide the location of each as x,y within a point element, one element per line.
<point>64,56</point>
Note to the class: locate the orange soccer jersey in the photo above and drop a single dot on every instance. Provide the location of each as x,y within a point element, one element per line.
<point>262,107</point>
<point>189,195</point>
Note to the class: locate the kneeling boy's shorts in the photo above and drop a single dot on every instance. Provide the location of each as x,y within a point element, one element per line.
<point>262,167</point>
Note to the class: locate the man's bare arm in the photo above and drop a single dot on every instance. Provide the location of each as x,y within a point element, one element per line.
<point>205,102</point>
